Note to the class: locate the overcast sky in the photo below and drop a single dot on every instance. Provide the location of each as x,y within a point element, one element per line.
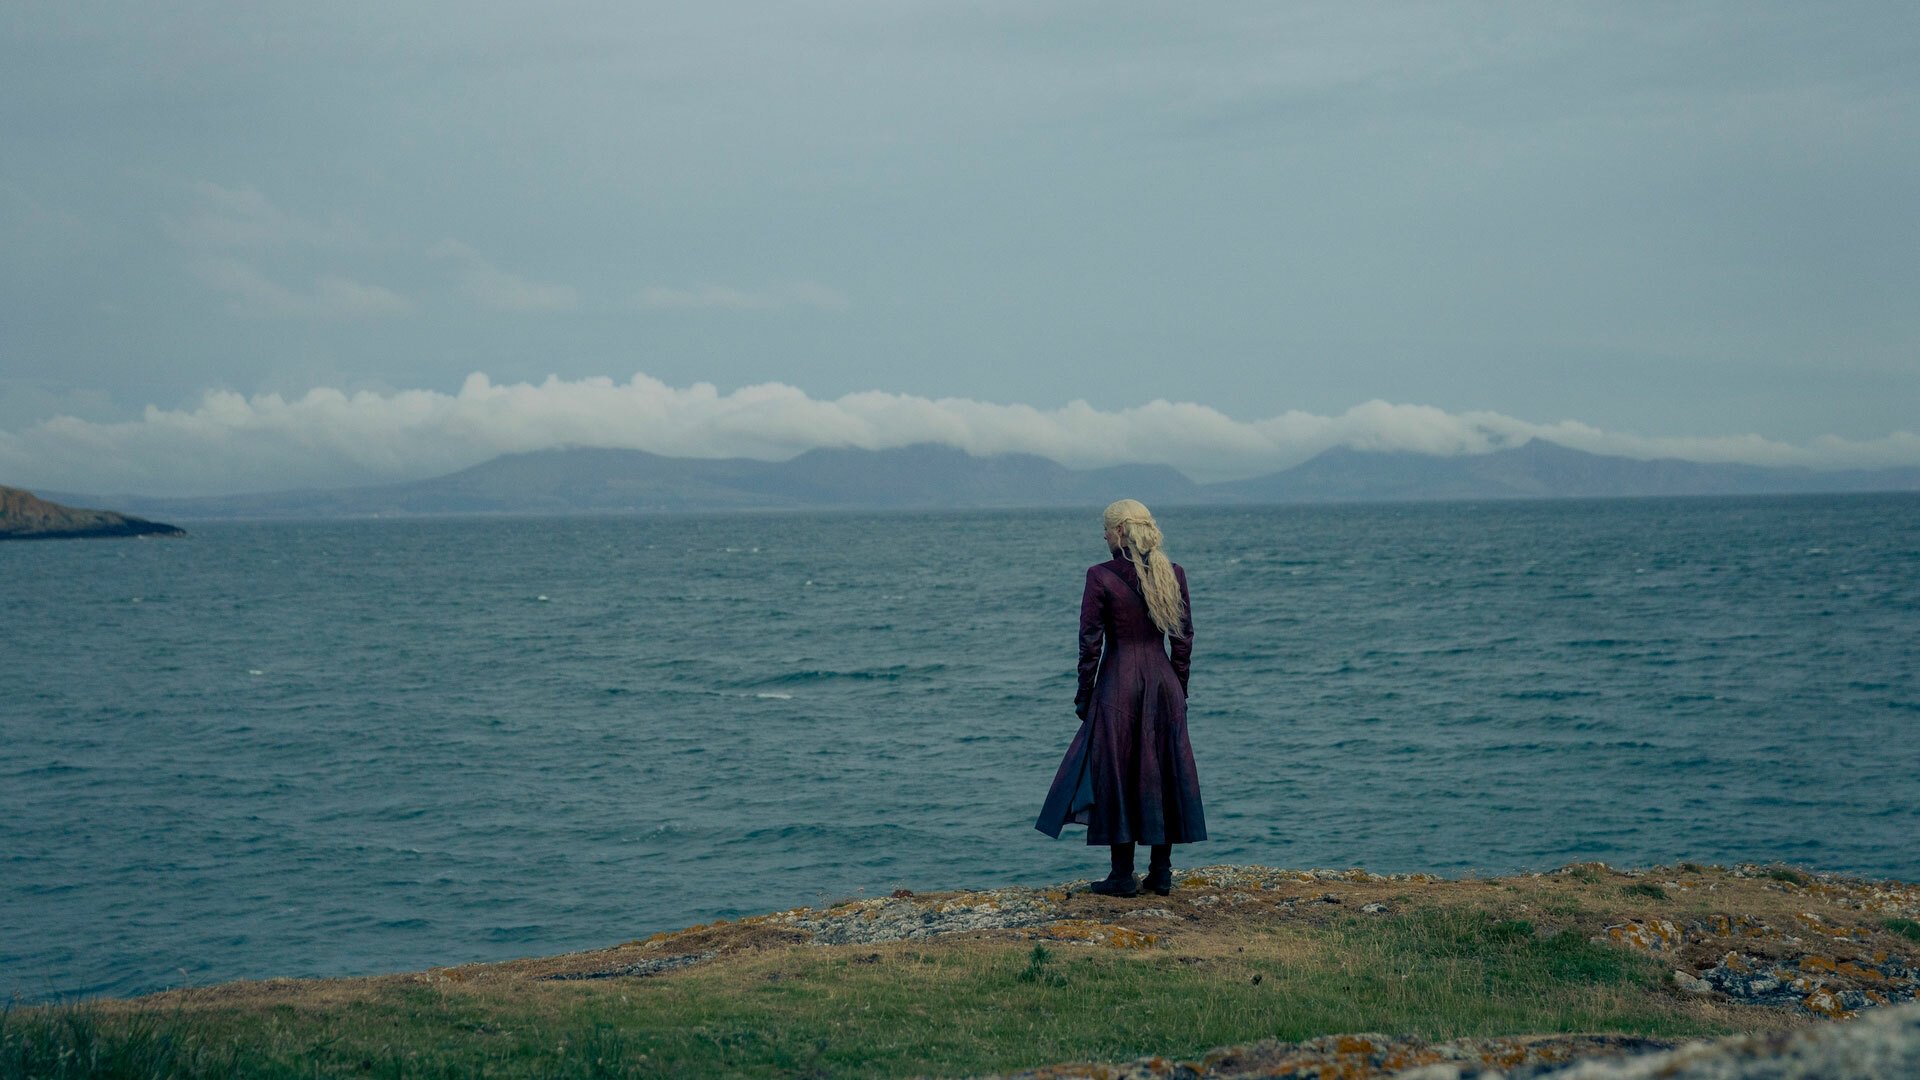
<point>253,245</point>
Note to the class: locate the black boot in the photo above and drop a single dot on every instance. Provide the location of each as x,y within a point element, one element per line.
<point>1120,882</point>
<point>1159,869</point>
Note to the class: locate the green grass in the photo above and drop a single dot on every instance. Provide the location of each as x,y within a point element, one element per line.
<point>1037,970</point>
<point>74,1041</point>
<point>942,1010</point>
<point>1645,889</point>
<point>1906,928</point>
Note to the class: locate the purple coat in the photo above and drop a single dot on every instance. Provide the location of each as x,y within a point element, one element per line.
<point>1129,774</point>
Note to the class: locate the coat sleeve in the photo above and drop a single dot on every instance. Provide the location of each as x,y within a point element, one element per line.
<point>1092,635</point>
<point>1181,644</point>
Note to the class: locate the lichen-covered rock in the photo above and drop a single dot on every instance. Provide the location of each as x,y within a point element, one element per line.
<point>1819,984</point>
<point>1691,984</point>
<point>1656,935</point>
<point>651,966</point>
<point>1883,1045</point>
<point>904,918</point>
<point>1358,1057</point>
<point>1887,898</point>
<point>1748,980</point>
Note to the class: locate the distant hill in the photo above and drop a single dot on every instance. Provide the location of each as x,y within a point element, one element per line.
<point>598,480</point>
<point>930,476</point>
<point>1536,470</point>
<point>25,516</point>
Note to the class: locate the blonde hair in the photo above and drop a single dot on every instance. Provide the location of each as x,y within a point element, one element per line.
<point>1140,541</point>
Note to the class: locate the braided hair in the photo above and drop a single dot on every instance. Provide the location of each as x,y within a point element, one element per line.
<point>1140,542</point>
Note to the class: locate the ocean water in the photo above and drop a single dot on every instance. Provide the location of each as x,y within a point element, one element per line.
<point>341,748</point>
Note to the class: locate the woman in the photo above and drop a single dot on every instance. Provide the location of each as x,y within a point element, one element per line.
<point>1129,775</point>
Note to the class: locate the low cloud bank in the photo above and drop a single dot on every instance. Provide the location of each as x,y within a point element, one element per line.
<point>231,443</point>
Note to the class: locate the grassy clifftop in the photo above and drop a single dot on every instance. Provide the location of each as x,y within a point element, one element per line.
<point>971,983</point>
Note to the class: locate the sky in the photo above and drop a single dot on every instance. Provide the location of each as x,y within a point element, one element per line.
<point>267,245</point>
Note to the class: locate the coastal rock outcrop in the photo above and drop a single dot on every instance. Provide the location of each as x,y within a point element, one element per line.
<point>1805,961</point>
<point>1832,966</point>
<point>25,516</point>
<point>1884,1045</point>
<point>1816,970</point>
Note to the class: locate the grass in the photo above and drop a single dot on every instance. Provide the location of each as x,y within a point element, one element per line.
<point>1037,971</point>
<point>1646,889</point>
<point>953,1006</point>
<point>76,1041</point>
<point>1906,928</point>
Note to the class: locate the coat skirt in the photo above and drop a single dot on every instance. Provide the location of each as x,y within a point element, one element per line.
<point>1128,775</point>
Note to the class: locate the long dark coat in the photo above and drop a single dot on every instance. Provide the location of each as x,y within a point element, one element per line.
<point>1129,775</point>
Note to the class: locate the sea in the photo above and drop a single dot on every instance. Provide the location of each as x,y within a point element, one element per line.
<point>350,747</point>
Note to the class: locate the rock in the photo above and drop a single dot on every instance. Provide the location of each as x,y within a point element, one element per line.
<point>903,918</point>
<point>1819,984</point>
<point>1692,984</point>
<point>1654,935</point>
<point>653,966</point>
<point>1375,908</point>
<point>1367,1054</point>
<point>1882,1045</point>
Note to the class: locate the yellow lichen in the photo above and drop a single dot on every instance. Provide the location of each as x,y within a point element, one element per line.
<point>1652,934</point>
<point>1824,1002</point>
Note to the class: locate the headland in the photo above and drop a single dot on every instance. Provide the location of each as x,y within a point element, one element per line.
<point>25,516</point>
<point>1241,971</point>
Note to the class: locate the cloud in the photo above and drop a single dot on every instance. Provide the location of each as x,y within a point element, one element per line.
<point>243,217</point>
<point>251,294</point>
<point>231,220</point>
<point>490,286</point>
<point>799,294</point>
<point>230,442</point>
<point>227,221</point>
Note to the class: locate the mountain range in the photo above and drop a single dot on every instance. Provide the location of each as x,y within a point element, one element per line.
<point>931,476</point>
